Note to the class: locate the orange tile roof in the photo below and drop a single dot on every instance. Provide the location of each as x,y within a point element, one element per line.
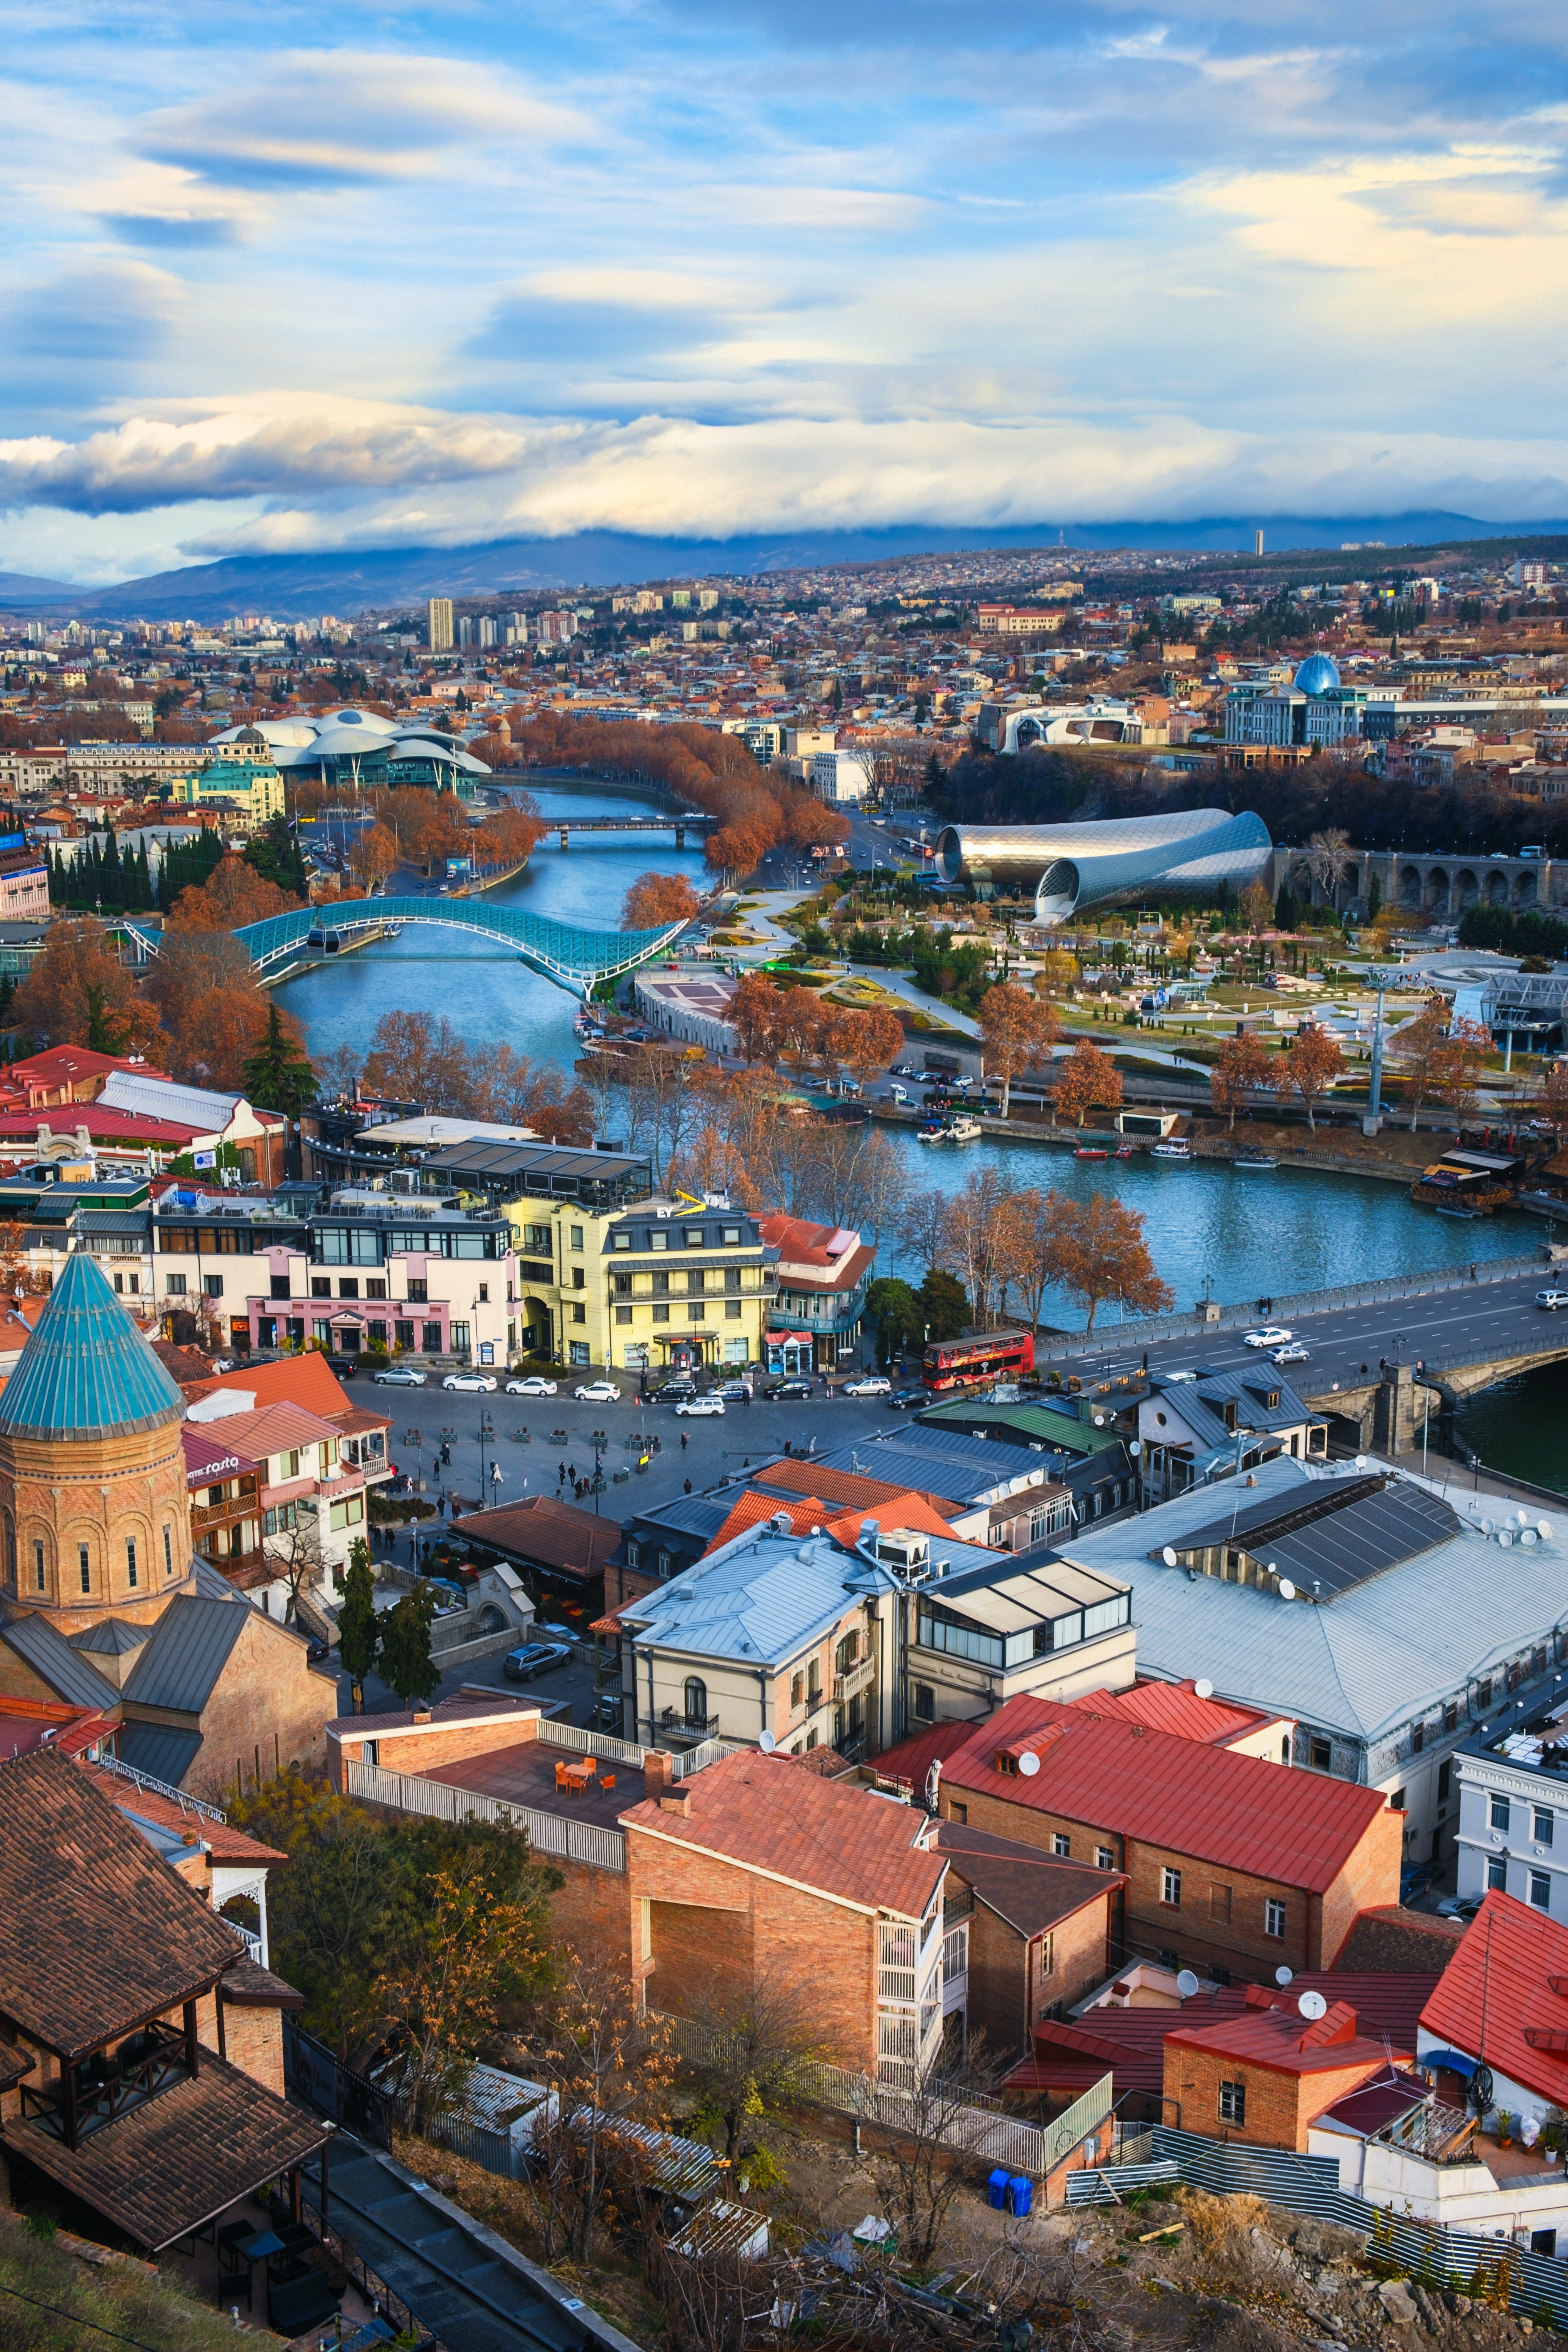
<point>1177,1708</point>
<point>1503,1997</point>
<point>1284,2041</point>
<point>805,1513</point>
<point>305,1380</point>
<point>227,1844</point>
<point>1296,1828</point>
<point>849,1488</point>
<point>763,1814</point>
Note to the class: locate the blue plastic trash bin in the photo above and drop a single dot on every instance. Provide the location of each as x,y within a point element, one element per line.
<point>997,2188</point>
<point>1020,2195</point>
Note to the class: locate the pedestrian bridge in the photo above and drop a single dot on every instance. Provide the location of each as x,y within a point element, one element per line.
<point>575,959</point>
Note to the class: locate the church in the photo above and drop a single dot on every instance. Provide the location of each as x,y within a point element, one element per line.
<point>104,1603</point>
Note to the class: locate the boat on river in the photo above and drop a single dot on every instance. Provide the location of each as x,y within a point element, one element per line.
<point>1091,1151</point>
<point>1177,1150</point>
<point>1254,1160</point>
<point>962,1129</point>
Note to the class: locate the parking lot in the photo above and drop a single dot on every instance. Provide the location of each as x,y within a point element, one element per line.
<point>516,1436</point>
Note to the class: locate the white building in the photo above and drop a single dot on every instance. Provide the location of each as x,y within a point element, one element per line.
<point>839,777</point>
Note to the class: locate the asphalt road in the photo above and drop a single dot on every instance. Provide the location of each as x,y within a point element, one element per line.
<point>716,1448</point>
<point>1471,1321</point>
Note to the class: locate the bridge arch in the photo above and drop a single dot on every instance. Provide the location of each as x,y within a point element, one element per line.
<point>572,959</point>
<point>1410,887</point>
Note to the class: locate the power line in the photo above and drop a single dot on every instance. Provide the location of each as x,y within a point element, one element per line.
<point>77,2317</point>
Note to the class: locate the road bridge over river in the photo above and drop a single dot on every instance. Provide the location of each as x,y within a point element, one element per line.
<point>1384,1356</point>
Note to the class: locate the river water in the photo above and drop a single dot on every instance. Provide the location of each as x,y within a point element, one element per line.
<point>1211,1230</point>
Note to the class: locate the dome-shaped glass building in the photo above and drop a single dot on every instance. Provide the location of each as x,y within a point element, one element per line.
<point>1318,674</point>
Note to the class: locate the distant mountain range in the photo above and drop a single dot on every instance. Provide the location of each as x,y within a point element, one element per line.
<point>297,587</point>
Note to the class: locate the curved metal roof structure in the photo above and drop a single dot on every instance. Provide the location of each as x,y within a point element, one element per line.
<point>1074,867</point>
<point>573,960</point>
<point>87,1371</point>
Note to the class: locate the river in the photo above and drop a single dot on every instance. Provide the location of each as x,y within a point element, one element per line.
<point>1209,1228</point>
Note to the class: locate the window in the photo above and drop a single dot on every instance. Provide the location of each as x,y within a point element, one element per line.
<point>796,1691</point>
<point>174,1284</point>
<point>403,1335</point>
<point>1540,1889</point>
<point>620,1240</point>
<point>1418,1740</point>
<point>418,1293</point>
<point>848,1650</point>
<point>1451,1715</point>
<point>661,1314</point>
<point>1396,1802</point>
<point>1285,1750</point>
<point>84,1561</point>
<point>1445,1780</point>
<point>1496,1871</point>
<point>814,1681</point>
<point>1167,1959</point>
<point>579,1278</point>
<point>280,1519</point>
<point>38,1565</point>
<point>1484,1692</point>
<point>1321,1753</point>
<point>1062,1845</point>
<point>1499,1813</point>
<point>732,1235</point>
<point>731,1277</point>
<point>577,1353</point>
<point>1104,1858</point>
<point>693,1237</point>
<point>925,1696</point>
<point>349,1512</point>
<point>623,1286</point>
<point>375,1287</point>
<point>130,1561</point>
<point>576,1237</point>
<point>430,1345</point>
<point>168,1554</point>
<point>1273,1917</point>
<point>536,1241</point>
<point>732,1310</point>
<point>1544,2241</point>
<point>579,1315</point>
<point>695,1696</point>
<point>1046,1964</point>
<point>957,1812</point>
<point>280,1286</point>
<point>212,1284</point>
<point>320,1286</point>
<point>348,1286</point>
<point>659,1239</point>
<point>623,1313</point>
<point>1219,1904</point>
<point>1232,2103</point>
<point>1171,1888</point>
<point>459,1339</point>
<point>696,1281</point>
<point>696,1314</point>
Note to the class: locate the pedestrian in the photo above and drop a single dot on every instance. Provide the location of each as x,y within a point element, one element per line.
<point>445,1454</point>
<point>571,1471</point>
<point>683,1441</point>
<point>689,1485</point>
<point>497,1474</point>
<point>1364,1372</point>
<point>561,1472</point>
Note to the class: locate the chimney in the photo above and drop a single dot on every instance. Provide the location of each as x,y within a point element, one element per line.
<point>657,1773</point>
<point>422,1712</point>
<point>675,1800</point>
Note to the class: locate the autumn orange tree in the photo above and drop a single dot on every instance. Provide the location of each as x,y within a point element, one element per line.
<point>1310,1068</point>
<point>79,994</point>
<point>1240,1069</point>
<point>374,855</point>
<point>1096,1250</point>
<point>1087,1079</point>
<point>1019,1029</point>
<point>656,899</point>
<point>862,1040</point>
<point>1550,1103</point>
<point>1460,1061</point>
<point>756,1014</point>
<point>610,2067</point>
<point>1418,1048</point>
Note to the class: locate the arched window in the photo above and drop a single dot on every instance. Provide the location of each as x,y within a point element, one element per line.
<point>10,1552</point>
<point>168,1555</point>
<point>696,1699</point>
<point>84,1561</point>
<point>39,1572</point>
<point>131,1561</point>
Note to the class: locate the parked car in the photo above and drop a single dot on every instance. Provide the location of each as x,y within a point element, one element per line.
<point>597,1393</point>
<point>606,1713</point>
<point>534,1385</point>
<point>906,1399</point>
<point>869,1384</point>
<point>345,1367</point>
<point>1271,1334</point>
<point>470,1384</point>
<point>733,1391</point>
<point>400,1376</point>
<point>671,1392</point>
<point>1291,1353</point>
<point>552,1634</point>
<point>1459,1906</point>
<point>533,1658</point>
<point>789,1392</point>
<point>1552,1298</point>
<point>701,1406</point>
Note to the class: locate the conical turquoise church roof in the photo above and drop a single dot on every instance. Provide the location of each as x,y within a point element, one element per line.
<point>87,1371</point>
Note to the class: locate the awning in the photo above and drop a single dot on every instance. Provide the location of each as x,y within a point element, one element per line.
<point>208,1461</point>
<point>1454,2060</point>
<point>788,1339</point>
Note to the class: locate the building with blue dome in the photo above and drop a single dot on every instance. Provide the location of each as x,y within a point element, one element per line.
<point>1317,675</point>
<point>1311,711</point>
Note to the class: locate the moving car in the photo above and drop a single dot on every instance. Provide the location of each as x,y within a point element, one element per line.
<point>1272,1335</point>
<point>534,1385</point>
<point>400,1376</point>
<point>1291,1353</point>
<point>533,1658</point>
<point>345,1367</point>
<point>597,1393</point>
<point>906,1399</point>
<point>470,1384</point>
<point>701,1406</point>
<point>671,1392</point>
<point>789,1392</point>
<point>1552,1298</point>
<point>869,1384</point>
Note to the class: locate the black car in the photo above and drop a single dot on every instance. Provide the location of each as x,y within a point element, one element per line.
<point>673,1392</point>
<point>906,1399</point>
<point>345,1367</point>
<point>520,1665</point>
<point>789,1392</point>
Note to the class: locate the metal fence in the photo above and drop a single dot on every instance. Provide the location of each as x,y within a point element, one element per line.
<point>1424,2250</point>
<point>1108,2184</point>
<point>317,2074</point>
<point>548,1834</point>
<point>988,2133</point>
<point>555,1734</point>
<point>710,1751</point>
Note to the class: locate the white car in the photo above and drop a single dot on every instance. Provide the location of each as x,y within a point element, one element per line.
<point>701,1406</point>
<point>470,1384</point>
<point>1552,1298</point>
<point>869,1384</point>
<point>1292,1354</point>
<point>399,1376</point>
<point>1273,1335</point>
<point>534,1385</point>
<point>597,1393</point>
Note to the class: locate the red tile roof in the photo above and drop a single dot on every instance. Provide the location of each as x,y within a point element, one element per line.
<point>1177,1708</point>
<point>1284,2041</point>
<point>799,1243</point>
<point>307,1379</point>
<point>760,1814</point>
<point>847,1488</point>
<point>1297,1829</point>
<point>1499,1998</point>
<point>228,1845</point>
<point>898,1510</point>
<point>555,1535</point>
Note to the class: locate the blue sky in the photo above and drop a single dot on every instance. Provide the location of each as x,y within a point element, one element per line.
<point>354,277</point>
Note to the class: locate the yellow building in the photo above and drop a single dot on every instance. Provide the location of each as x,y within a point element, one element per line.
<point>663,1285</point>
<point>252,786</point>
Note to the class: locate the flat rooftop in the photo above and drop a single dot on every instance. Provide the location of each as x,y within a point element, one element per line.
<point>524,1774</point>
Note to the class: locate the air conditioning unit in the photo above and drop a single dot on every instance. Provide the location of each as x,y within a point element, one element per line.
<point>904,1549</point>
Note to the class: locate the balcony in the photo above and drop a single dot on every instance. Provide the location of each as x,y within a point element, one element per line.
<point>206,1516</point>
<point>152,2061</point>
<point>688,1727</point>
<point>850,1684</point>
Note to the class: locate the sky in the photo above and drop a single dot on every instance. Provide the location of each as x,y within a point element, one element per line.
<point>355,277</point>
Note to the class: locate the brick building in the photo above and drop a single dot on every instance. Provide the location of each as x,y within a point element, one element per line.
<point>1263,2076</point>
<point>1233,1864</point>
<point>1027,1935</point>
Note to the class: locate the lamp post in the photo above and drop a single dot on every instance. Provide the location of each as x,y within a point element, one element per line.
<point>1382,980</point>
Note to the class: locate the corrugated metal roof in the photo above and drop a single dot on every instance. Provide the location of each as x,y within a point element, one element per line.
<point>966,1482</point>
<point>87,1371</point>
<point>124,1090</point>
<point>188,1651</point>
<point>45,1648</point>
<point>1041,1424</point>
<point>1496,1999</point>
<point>1384,1651</point>
<point>1337,1535</point>
<point>757,1601</point>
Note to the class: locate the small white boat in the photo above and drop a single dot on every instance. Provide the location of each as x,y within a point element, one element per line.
<point>963,1129</point>
<point>1171,1152</point>
<point>1245,1160</point>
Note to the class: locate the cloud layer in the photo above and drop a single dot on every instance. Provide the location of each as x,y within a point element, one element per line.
<point>703,270</point>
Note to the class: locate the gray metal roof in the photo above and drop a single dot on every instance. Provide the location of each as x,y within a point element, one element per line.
<point>1339,1536</point>
<point>160,1749</point>
<point>687,1514</point>
<point>188,1651</point>
<point>1384,1651</point>
<point>45,1648</point>
<point>92,1223</point>
<point>758,1600</point>
<point>980,1475</point>
<point>1202,1405</point>
<point>112,1637</point>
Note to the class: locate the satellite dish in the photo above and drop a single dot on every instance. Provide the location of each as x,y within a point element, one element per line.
<point>1283,1976</point>
<point>1028,1763</point>
<point>1361,1462</point>
<point>767,1743</point>
<point>1543,1529</point>
<point>1169,1556</point>
<point>1135,1447</point>
<point>1505,1535</point>
<point>1287,1590</point>
<point>1312,2006</point>
<point>1186,1984</point>
<point>1487,1527</point>
<point>1204,1689</point>
<point>1528,1536</point>
<point>1099,1420</point>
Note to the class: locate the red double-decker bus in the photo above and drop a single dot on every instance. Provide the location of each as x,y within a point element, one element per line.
<point>967,1363</point>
